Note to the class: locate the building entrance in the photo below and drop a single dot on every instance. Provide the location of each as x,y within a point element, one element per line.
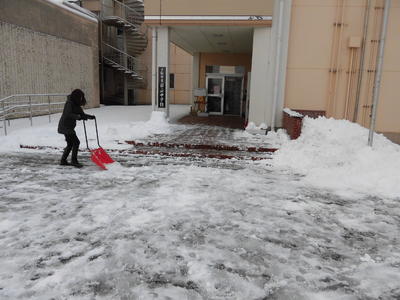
<point>224,94</point>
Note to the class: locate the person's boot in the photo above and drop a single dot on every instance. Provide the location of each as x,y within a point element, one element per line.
<point>76,164</point>
<point>64,161</point>
<point>74,157</point>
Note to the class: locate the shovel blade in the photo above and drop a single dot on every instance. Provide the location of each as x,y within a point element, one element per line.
<point>101,158</point>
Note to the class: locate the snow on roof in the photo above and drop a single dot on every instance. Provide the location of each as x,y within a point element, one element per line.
<point>76,9</point>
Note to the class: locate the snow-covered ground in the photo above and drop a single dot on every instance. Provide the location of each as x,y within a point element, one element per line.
<point>298,226</point>
<point>155,228</point>
<point>115,124</point>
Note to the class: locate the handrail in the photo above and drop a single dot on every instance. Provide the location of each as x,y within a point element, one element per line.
<point>123,5</point>
<point>6,106</point>
<point>122,52</point>
<point>123,59</point>
<point>32,95</point>
<point>131,10</point>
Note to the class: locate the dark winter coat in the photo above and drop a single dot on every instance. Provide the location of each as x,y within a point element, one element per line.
<point>71,113</point>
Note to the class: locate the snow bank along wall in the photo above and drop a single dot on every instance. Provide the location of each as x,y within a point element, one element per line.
<point>47,49</point>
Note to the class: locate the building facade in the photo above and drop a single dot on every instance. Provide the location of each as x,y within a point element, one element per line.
<point>47,48</point>
<point>253,58</point>
<point>180,74</point>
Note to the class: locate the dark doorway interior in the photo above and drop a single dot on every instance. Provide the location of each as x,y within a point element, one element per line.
<point>232,95</point>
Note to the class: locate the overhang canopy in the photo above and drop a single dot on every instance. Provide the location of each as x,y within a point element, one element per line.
<point>208,8</point>
<point>213,39</point>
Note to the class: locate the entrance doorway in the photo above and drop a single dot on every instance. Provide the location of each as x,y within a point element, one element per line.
<point>224,94</point>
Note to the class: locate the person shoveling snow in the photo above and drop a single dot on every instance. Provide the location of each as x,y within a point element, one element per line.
<point>99,156</point>
<point>72,112</point>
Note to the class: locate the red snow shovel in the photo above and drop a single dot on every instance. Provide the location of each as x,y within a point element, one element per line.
<point>99,156</point>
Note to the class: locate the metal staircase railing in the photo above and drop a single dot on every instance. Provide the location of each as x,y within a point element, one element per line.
<point>122,61</point>
<point>29,105</point>
<point>124,12</point>
<point>129,17</point>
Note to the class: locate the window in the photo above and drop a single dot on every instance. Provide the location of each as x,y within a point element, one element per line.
<point>171,80</point>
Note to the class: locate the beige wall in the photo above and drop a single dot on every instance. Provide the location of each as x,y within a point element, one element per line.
<point>316,46</point>
<point>92,5</point>
<point>180,64</point>
<point>49,50</point>
<point>208,7</point>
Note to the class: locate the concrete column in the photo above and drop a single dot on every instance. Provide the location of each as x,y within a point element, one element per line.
<point>161,59</point>
<point>126,66</point>
<point>282,38</point>
<point>195,75</point>
<point>153,67</point>
<point>261,79</point>
<point>268,81</point>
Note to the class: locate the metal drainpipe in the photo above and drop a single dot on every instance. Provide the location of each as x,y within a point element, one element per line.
<point>378,77</point>
<point>362,57</point>
<point>277,65</point>
<point>154,68</point>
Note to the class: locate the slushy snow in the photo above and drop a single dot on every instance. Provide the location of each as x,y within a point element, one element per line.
<point>298,226</point>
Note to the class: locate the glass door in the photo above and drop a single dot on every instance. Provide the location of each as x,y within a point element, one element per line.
<point>215,95</point>
<point>233,95</point>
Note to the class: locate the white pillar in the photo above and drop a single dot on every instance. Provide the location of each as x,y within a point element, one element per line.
<point>261,81</point>
<point>281,37</point>
<point>195,75</point>
<point>160,60</point>
<point>154,68</point>
<point>268,82</point>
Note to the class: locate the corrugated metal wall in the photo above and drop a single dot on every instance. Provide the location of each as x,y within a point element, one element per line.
<point>33,62</point>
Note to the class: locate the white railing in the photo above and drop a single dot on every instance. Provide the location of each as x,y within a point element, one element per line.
<point>29,105</point>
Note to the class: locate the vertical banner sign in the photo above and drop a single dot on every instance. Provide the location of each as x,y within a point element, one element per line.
<point>161,86</point>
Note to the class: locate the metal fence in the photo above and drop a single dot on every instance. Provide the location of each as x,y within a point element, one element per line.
<point>29,105</point>
<point>117,8</point>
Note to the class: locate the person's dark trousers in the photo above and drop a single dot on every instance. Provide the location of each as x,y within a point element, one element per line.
<point>72,144</point>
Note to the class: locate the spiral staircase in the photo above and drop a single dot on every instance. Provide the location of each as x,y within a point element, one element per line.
<point>128,17</point>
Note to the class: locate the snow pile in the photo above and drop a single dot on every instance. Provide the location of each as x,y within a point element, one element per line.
<point>254,129</point>
<point>251,125</point>
<point>158,120</point>
<point>334,154</point>
<point>122,131</point>
<point>273,139</point>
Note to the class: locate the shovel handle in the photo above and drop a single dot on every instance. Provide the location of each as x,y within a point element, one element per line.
<point>97,133</point>
<point>84,129</point>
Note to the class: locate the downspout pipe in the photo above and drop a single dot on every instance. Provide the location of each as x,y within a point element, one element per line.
<point>154,68</point>
<point>362,58</point>
<point>277,65</point>
<point>378,76</point>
